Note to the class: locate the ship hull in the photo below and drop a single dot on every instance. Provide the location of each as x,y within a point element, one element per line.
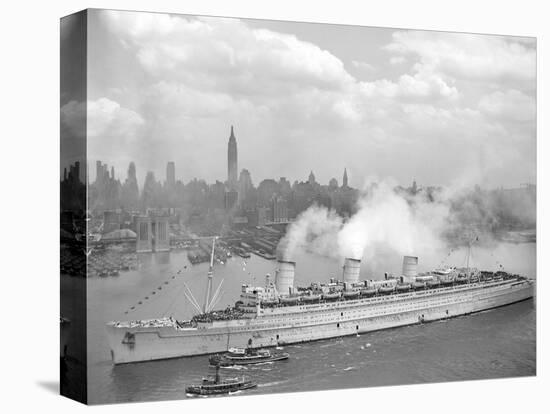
<point>280,326</point>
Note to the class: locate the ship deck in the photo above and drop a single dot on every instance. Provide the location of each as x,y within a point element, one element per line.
<point>239,315</point>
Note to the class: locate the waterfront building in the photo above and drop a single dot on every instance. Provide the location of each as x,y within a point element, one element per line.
<point>152,233</point>
<point>279,210</point>
<point>144,240</point>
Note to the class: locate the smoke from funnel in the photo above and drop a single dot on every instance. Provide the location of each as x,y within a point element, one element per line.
<point>390,222</point>
<point>315,229</point>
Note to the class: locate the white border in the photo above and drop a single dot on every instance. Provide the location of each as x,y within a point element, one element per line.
<point>30,158</point>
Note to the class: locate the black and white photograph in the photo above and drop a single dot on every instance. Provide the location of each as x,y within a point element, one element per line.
<point>275,207</point>
<point>257,206</point>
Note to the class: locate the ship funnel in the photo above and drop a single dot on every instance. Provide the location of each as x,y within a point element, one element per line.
<point>410,266</point>
<point>352,268</point>
<point>284,277</point>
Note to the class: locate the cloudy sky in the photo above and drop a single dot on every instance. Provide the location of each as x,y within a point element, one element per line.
<point>433,106</point>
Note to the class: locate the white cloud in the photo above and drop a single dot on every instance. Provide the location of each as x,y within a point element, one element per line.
<point>398,60</point>
<point>101,117</point>
<point>190,78</point>
<point>469,56</point>
<point>363,66</point>
<point>243,60</point>
<point>420,85</point>
<point>107,117</point>
<point>509,105</point>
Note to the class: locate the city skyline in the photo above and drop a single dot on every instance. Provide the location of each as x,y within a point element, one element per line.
<point>304,99</point>
<point>171,178</point>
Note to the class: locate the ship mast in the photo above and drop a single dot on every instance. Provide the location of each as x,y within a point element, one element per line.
<point>208,292</point>
<point>468,259</point>
<point>470,240</point>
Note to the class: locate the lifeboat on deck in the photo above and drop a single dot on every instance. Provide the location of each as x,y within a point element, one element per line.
<point>311,298</point>
<point>331,295</point>
<point>418,285</point>
<point>289,300</point>
<point>386,290</point>
<point>433,283</point>
<point>403,287</point>
<point>368,292</point>
<point>352,294</point>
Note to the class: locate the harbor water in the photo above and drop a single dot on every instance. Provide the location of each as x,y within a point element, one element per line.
<point>493,344</point>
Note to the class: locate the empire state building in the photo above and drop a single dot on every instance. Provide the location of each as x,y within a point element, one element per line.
<point>232,164</point>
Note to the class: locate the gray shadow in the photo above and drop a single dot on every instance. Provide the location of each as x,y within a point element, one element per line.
<point>51,386</point>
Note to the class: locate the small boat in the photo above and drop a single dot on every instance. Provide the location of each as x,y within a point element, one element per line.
<point>311,298</point>
<point>351,294</point>
<point>216,385</point>
<point>367,292</point>
<point>241,356</point>
<point>446,282</point>
<point>331,296</point>
<point>289,299</point>
<point>418,285</point>
<point>433,283</point>
<point>403,287</point>
<point>386,289</point>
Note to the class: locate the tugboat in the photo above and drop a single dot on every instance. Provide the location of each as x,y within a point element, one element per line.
<point>240,356</point>
<point>217,386</point>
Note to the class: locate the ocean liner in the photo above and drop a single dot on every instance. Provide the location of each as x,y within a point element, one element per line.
<point>280,313</point>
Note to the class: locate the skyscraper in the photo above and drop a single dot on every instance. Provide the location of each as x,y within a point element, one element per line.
<point>131,177</point>
<point>245,183</point>
<point>232,164</point>
<point>345,179</point>
<point>130,191</point>
<point>171,174</point>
